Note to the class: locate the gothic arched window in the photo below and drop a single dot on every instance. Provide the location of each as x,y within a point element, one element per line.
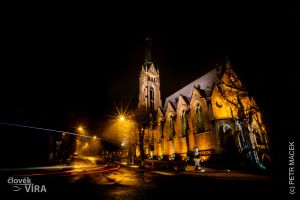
<point>171,128</point>
<point>161,127</point>
<point>199,119</point>
<point>184,124</point>
<point>151,98</point>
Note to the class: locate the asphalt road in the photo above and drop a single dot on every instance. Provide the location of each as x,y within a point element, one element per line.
<point>112,181</point>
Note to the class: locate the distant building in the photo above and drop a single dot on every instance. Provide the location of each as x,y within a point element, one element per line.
<point>214,113</point>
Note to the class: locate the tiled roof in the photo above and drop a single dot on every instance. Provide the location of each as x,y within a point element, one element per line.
<point>205,82</point>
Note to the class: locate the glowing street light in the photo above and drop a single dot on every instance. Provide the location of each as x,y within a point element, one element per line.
<point>80,128</point>
<point>121,118</point>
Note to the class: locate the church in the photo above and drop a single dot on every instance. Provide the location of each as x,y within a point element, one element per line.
<point>213,115</point>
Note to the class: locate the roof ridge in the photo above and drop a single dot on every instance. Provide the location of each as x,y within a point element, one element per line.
<point>205,81</point>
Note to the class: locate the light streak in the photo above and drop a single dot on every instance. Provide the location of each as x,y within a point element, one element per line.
<point>52,130</point>
<point>93,170</point>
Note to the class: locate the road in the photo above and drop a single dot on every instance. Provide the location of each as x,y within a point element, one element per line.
<point>113,181</point>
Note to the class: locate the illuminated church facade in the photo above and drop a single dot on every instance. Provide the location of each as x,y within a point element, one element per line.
<point>214,114</point>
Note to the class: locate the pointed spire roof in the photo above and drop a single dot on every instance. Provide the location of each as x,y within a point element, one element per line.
<point>227,63</point>
<point>148,55</point>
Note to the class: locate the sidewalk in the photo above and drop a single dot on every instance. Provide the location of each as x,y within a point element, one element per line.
<point>207,172</point>
<point>228,174</point>
<point>148,169</point>
<point>189,168</point>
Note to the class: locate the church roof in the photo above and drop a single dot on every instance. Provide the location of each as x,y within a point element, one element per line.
<point>205,82</point>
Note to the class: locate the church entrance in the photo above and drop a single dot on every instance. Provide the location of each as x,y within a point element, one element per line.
<point>231,155</point>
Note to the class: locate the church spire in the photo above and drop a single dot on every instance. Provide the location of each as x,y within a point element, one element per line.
<point>227,63</point>
<point>149,82</point>
<point>148,57</point>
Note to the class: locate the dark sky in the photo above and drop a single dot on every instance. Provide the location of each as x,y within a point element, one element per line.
<point>59,70</point>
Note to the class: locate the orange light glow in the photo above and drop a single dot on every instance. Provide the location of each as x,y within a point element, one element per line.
<point>121,118</point>
<point>80,128</point>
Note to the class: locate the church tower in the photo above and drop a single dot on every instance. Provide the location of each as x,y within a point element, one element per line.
<point>149,83</point>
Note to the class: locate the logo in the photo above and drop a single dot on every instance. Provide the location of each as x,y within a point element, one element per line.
<point>25,183</point>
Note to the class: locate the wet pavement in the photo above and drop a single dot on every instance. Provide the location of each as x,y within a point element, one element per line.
<point>115,181</point>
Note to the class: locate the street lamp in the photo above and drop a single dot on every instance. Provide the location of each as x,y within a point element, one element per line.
<point>121,118</point>
<point>80,128</point>
<point>79,144</point>
<point>127,125</point>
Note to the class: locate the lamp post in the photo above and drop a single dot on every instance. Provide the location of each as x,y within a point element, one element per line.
<point>80,131</point>
<point>128,125</point>
<point>137,125</point>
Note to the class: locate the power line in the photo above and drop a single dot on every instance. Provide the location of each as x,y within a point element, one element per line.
<point>51,130</point>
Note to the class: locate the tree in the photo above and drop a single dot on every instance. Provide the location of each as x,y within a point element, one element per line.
<point>243,111</point>
<point>132,129</point>
<point>143,121</point>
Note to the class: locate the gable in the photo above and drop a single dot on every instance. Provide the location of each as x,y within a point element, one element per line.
<point>182,100</point>
<point>182,103</point>
<point>231,79</point>
<point>220,107</point>
<point>152,69</point>
<point>196,94</point>
<point>170,108</point>
<point>160,112</point>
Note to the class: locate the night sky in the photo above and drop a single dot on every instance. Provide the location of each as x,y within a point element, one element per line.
<point>58,70</point>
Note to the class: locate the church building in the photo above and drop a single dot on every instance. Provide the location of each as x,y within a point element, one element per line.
<point>213,115</point>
